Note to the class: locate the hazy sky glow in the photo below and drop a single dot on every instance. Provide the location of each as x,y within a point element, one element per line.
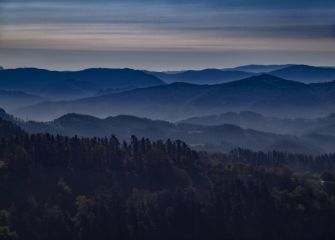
<point>175,34</point>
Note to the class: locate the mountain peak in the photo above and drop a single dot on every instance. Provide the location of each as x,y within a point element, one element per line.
<point>84,83</point>
<point>263,79</point>
<point>74,117</point>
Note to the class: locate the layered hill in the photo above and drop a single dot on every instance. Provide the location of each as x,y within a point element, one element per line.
<point>220,138</point>
<point>266,94</point>
<point>254,68</point>
<point>247,119</point>
<point>73,84</point>
<point>301,73</point>
<point>206,76</point>
<point>16,99</point>
<point>305,73</point>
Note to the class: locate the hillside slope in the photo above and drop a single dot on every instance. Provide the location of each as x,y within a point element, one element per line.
<point>265,94</point>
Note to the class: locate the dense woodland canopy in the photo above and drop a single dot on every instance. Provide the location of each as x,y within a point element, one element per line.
<point>56,187</point>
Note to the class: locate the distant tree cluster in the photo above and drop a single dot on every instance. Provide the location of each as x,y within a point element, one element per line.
<point>55,187</point>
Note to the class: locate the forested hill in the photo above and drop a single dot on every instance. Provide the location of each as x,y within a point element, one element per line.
<point>221,138</point>
<point>56,187</point>
<point>8,129</point>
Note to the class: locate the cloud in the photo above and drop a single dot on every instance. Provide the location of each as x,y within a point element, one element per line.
<point>162,25</point>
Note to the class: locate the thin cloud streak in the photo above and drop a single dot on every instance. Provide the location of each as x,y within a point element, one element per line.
<point>176,26</point>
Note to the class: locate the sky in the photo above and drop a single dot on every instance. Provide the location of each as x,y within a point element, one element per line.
<point>165,34</point>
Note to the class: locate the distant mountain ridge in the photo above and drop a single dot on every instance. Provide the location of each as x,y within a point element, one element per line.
<point>254,68</point>
<point>265,93</point>
<point>206,76</point>
<point>243,91</point>
<point>54,83</point>
<point>305,73</point>
<point>301,73</point>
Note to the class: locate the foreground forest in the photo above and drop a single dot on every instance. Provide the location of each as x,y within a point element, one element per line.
<point>55,187</point>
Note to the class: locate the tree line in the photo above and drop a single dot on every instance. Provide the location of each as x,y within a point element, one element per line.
<point>57,187</point>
